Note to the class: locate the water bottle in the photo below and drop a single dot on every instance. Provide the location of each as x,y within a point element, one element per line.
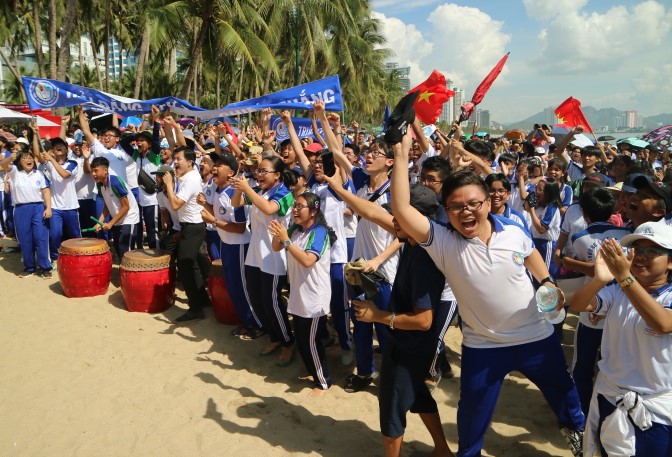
<point>547,300</point>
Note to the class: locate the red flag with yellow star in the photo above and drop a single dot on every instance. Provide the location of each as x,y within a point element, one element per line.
<point>433,93</point>
<point>569,112</point>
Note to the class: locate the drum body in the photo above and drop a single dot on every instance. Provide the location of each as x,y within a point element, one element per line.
<point>147,280</point>
<point>84,267</point>
<point>222,305</point>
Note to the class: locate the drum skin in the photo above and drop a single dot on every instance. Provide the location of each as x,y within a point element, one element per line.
<point>147,281</point>
<point>222,305</point>
<point>84,267</point>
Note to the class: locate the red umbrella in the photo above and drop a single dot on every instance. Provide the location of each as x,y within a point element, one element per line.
<point>482,89</point>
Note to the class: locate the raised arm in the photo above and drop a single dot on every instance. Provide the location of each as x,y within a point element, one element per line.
<point>409,218</point>
<point>333,143</point>
<point>84,125</point>
<point>296,143</point>
<point>65,120</point>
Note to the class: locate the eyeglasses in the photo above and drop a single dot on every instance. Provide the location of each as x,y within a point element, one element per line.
<point>299,207</point>
<point>109,136</point>
<point>319,162</point>
<point>650,253</point>
<point>471,207</point>
<point>498,191</point>
<point>262,172</point>
<point>428,180</point>
<point>376,154</point>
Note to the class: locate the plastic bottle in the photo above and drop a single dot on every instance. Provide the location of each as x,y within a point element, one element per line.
<point>547,300</point>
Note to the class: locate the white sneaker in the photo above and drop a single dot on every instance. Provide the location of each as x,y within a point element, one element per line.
<point>347,357</point>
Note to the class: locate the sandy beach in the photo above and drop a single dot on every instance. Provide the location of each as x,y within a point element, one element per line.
<point>84,377</point>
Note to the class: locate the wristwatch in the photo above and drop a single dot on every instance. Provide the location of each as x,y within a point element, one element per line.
<point>627,281</point>
<point>286,244</point>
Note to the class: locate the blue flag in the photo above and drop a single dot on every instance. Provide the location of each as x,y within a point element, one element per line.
<point>300,97</point>
<point>303,127</point>
<point>49,93</point>
<point>386,117</point>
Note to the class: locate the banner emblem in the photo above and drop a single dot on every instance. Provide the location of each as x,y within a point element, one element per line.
<point>44,92</point>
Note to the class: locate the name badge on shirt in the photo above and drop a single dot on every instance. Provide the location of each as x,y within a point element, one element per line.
<point>518,258</point>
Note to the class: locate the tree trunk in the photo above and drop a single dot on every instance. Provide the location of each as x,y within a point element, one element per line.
<point>140,68</point>
<point>218,88</point>
<point>53,49</point>
<point>81,56</point>
<point>108,18</point>
<point>39,56</point>
<point>195,56</point>
<point>95,54</point>
<point>239,89</point>
<point>267,82</point>
<point>69,18</point>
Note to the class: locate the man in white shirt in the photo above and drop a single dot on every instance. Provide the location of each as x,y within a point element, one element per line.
<point>503,330</point>
<point>192,267</point>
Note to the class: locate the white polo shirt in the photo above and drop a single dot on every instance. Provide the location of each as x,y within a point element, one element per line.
<point>121,163</point>
<point>63,190</point>
<point>310,291</point>
<point>116,188</point>
<point>220,199</point>
<point>163,203</point>
<point>188,188</point>
<point>550,217</point>
<point>634,355</point>
<point>26,187</point>
<point>332,207</point>
<point>84,183</point>
<point>260,254</point>
<point>572,222</point>
<point>490,283</point>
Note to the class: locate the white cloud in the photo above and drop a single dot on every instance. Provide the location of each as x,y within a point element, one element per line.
<point>577,41</point>
<point>400,5</point>
<point>408,44</point>
<point>545,9</point>
<point>471,43</point>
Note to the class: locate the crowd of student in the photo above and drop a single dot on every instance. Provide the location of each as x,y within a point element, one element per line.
<point>433,222</point>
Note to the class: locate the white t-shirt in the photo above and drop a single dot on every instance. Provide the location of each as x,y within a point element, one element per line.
<point>63,190</point>
<point>634,355</point>
<point>163,203</point>
<point>585,245</point>
<point>220,199</point>
<point>572,222</point>
<point>310,291</point>
<point>26,187</point>
<point>188,188</point>
<point>332,207</point>
<point>149,166</point>
<point>550,217</point>
<point>490,283</point>
<point>260,254</point>
<point>84,183</point>
<point>116,188</point>
<point>120,163</point>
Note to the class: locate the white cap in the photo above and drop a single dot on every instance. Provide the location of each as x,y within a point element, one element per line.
<point>22,140</point>
<point>70,141</point>
<point>658,232</point>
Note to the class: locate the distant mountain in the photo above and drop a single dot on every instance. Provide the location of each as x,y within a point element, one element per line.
<point>609,118</point>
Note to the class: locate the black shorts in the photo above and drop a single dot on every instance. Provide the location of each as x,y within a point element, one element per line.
<point>403,389</point>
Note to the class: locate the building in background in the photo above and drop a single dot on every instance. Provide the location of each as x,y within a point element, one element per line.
<point>119,59</point>
<point>549,116</point>
<point>458,99</point>
<point>482,119</point>
<point>448,108</point>
<point>403,74</point>
<point>631,119</point>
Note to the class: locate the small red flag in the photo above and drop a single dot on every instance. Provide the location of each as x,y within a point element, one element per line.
<point>482,89</point>
<point>433,93</point>
<point>569,112</point>
<point>231,133</point>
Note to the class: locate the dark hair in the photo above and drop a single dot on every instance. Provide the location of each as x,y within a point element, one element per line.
<point>384,147</point>
<point>287,176</point>
<point>498,177</point>
<point>19,156</point>
<point>591,151</point>
<point>507,158</point>
<point>353,146</point>
<point>560,164</point>
<point>100,162</point>
<point>313,202</point>
<point>284,143</point>
<point>188,152</point>
<point>597,204</point>
<point>460,179</point>
<point>114,130</point>
<point>626,160</point>
<point>551,193</point>
<point>480,149</point>
<point>438,164</point>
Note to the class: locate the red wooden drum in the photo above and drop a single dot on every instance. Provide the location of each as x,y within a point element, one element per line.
<point>222,305</point>
<point>84,267</point>
<point>147,280</point>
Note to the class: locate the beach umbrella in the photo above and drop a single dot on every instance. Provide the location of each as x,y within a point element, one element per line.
<point>186,120</point>
<point>481,133</point>
<point>9,116</point>
<point>661,137</point>
<point>606,138</point>
<point>515,134</point>
<point>636,142</point>
<point>8,135</point>
<point>131,120</point>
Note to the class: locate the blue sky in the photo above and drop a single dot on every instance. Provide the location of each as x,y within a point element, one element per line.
<point>608,54</point>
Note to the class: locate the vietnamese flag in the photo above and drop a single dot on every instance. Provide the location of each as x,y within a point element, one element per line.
<point>569,112</point>
<point>433,93</point>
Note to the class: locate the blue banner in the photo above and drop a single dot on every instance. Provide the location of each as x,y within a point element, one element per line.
<point>300,97</point>
<point>303,127</point>
<point>48,93</point>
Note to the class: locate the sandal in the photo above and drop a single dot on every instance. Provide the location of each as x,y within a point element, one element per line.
<point>253,334</point>
<point>241,330</point>
<point>289,361</point>
<point>26,274</point>
<point>354,383</point>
